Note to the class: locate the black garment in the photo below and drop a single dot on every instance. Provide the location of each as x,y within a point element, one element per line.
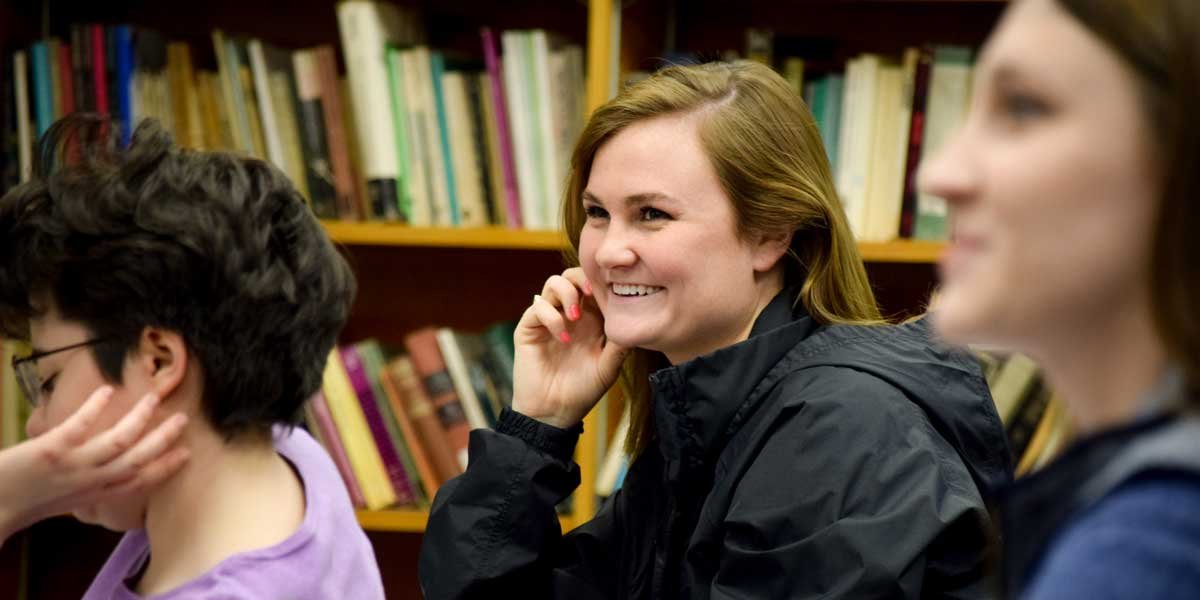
<point>1039,508</point>
<point>805,462</point>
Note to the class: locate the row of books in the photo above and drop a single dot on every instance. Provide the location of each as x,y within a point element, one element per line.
<point>1036,423</point>
<point>879,119</point>
<point>397,423</point>
<point>411,134</point>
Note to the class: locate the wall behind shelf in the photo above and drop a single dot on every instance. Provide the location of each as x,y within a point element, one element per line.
<point>829,31</point>
<point>401,289</point>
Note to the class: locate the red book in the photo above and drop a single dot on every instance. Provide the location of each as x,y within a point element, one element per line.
<point>431,367</point>
<point>430,447</point>
<point>335,134</point>
<point>916,136</point>
<point>99,66</point>
<point>66,81</point>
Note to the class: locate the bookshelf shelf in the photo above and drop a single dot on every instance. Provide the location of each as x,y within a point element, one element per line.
<point>901,251</point>
<point>389,234</point>
<point>412,521</point>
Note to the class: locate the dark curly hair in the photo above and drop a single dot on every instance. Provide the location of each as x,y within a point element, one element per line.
<point>216,247</point>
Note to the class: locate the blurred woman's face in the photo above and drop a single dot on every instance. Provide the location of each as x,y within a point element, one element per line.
<point>1051,185</point>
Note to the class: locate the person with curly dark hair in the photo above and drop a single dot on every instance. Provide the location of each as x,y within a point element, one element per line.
<point>205,279</point>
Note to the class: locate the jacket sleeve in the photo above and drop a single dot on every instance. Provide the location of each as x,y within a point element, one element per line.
<point>852,494</point>
<point>493,531</point>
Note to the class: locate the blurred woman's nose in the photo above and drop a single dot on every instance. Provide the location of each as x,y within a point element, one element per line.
<point>949,174</point>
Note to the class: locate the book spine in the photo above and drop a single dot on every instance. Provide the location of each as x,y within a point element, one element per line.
<point>335,134</point>
<point>427,359</point>
<point>310,116</point>
<point>456,366</point>
<point>123,36</point>
<point>915,137</point>
<point>430,434</point>
<point>404,164</point>
<point>99,69</point>
<point>360,382</point>
<point>81,68</point>
<point>328,434</point>
<point>356,435</point>
<point>266,110</point>
<point>43,93</point>
<point>364,45</point>
<point>508,169</point>
<point>24,119</point>
<point>437,69</point>
<point>66,79</point>
<point>395,397</point>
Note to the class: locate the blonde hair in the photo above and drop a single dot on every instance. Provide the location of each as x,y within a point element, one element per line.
<point>767,154</point>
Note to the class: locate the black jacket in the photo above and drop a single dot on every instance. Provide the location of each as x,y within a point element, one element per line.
<point>805,462</point>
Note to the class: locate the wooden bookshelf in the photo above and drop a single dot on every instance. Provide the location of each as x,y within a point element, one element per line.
<point>391,234</point>
<point>901,251</point>
<point>499,238</point>
<point>413,521</point>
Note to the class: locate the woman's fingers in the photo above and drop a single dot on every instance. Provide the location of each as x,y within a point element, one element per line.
<point>563,294</point>
<point>551,318</point>
<point>148,449</point>
<point>119,438</point>
<point>75,430</point>
<point>576,276</point>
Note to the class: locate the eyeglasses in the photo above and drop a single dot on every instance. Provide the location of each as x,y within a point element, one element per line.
<point>25,369</point>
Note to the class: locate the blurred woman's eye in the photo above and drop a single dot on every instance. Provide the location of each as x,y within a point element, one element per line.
<point>649,213</point>
<point>1021,107</point>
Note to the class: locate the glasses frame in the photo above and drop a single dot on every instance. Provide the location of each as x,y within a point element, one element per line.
<point>25,368</point>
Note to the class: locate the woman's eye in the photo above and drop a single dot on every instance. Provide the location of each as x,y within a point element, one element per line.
<point>595,212</point>
<point>1022,107</point>
<point>48,385</point>
<point>652,214</point>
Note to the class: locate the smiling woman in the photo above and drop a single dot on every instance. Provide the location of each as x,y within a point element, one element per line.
<point>1074,190</point>
<point>788,444</point>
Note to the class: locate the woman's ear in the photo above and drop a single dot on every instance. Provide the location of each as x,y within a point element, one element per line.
<point>769,248</point>
<point>163,358</point>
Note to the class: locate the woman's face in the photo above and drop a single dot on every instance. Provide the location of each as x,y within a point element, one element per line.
<point>1051,185</point>
<point>68,378</point>
<point>660,246</point>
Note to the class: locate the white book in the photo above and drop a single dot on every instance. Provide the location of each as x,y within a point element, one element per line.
<point>543,102</point>
<point>456,364</point>
<point>516,92</point>
<point>857,139</point>
<point>946,108</point>
<point>289,130</point>
<point>418,144</point>
<point>431,132</point>
<point>472,209</point>
<point>417,186</point>
<point>266,107</point>
<point>367,28</point>
<point>889,148</point>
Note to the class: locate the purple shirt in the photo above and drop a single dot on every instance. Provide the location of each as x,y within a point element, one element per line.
<point>328,557</point>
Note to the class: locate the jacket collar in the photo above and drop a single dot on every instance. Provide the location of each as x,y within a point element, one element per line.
<point>699,404</point>
<point>1035,508</point>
